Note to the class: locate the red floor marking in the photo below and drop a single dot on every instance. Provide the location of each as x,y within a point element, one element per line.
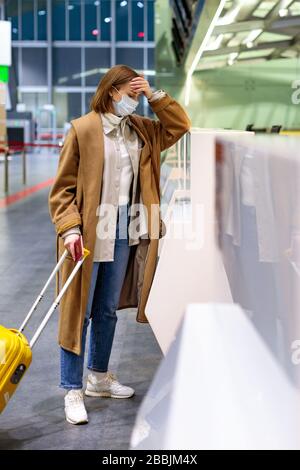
<point>12,198</point>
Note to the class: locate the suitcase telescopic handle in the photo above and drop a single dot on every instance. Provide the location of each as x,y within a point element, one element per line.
<point>48,315</point>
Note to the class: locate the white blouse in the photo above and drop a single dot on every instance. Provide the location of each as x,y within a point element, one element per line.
<point>126,172</point>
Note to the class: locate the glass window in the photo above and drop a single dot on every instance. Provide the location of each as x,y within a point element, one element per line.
<point>122,21</point>
<point>58,20</point>
<point>74,105</point>
<point>150,20</point>
<point>34,66</point>
<point>12,16</point>
<point>137,20</point>
<point>67,66</point>
<point>27,20</point>
<point>105,20</point>
<point>74,12</point>
<point>15,63</point>
<point>130,56</point>
<point>33,101</point>
<point>140,108</point>
<point>151,58</point>
<point>88,99</point>
<point>97,61</point>
<point>42,20</point>
<point>68,106</point>
<point>151,80</point>
<point>91,12</point>
<point>14,77</point>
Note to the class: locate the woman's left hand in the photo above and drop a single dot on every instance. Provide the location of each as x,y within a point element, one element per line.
<point>141,85</point>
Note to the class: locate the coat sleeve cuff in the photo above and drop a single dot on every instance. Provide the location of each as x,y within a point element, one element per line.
<point>162,103</point>
<point>68,221</point>
<point>75,230</point>
<point>156,95</point>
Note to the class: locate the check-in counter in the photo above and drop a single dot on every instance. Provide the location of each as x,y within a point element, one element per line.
<point>218,388</point>
<point>190,268</point>
<point>224,305</point>
<point>258,194</point>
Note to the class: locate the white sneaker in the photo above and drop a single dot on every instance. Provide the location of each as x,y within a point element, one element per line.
<point>107,387</point>
<point>74,407</point>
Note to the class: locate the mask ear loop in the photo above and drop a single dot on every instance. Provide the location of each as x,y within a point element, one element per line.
<point>116,90</point>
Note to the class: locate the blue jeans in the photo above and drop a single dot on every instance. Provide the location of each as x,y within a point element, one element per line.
<point>104,293</point>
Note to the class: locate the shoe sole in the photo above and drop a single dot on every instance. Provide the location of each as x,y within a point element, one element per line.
<point>88,393</point>
<point>76,422</point>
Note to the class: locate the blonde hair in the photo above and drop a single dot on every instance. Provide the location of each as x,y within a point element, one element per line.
<point>116,76</point>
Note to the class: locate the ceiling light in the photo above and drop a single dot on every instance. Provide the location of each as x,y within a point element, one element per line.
<point>232,58</point>
<point>252,36</point>
<point>96,3</point>
<point>107,19</point>
<point>216,43</point>
<point>140,4</point>
<point>123,4</point>
<point>230,17</point>
<point>283,12</point>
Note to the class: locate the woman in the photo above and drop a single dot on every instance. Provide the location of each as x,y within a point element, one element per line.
<point>109,163</point>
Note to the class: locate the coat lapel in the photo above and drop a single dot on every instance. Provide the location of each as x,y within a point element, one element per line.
<point>91,147</point>
<point>136,124</point>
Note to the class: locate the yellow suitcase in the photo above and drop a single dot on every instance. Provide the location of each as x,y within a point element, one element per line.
<point>15,350</point>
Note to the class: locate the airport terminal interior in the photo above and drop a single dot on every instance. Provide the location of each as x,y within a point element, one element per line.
<point>215,362</point>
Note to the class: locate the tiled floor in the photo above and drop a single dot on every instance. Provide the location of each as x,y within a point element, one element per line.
<point>34,419</point>
<point>39,167</point>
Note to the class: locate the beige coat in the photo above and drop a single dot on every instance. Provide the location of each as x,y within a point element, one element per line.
<point>75,196</point>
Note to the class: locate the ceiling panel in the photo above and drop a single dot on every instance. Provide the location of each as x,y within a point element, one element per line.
<point>252,29</point>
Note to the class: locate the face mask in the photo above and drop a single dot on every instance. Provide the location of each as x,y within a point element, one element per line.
<point>125,106</point>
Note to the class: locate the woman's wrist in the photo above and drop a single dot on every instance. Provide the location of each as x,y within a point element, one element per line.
<point>71,231</point>
<point>156,95</point>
